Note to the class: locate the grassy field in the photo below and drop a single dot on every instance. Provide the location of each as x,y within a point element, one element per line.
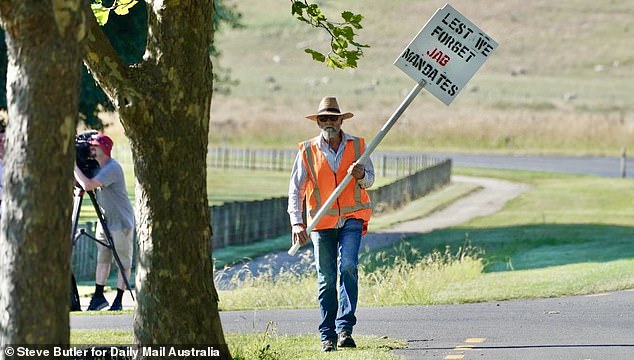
<point>569,235</point>
<point>559,81</point>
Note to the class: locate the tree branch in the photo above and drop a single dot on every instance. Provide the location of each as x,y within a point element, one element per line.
<point>342,34</point>
<point>105,65</point>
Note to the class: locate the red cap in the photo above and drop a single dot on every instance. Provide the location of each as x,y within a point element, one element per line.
<point>103,141</point>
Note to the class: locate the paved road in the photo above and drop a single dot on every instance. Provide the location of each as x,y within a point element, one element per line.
<point>591,165</point>
<point>582,327</point>
<point>571,328</point>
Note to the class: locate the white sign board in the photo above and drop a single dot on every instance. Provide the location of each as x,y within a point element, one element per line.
<point>446,53</point>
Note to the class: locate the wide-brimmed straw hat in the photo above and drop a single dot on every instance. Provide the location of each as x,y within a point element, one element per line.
<point>329,106</point>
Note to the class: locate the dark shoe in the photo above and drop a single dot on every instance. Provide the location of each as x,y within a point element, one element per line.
<point>97,302</point>
<point>116,305</point>
<point>328,345</point>
<point>346,340</point>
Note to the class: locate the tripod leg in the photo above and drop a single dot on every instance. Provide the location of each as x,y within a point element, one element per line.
<point>75,304</point>
<point>77,200</point>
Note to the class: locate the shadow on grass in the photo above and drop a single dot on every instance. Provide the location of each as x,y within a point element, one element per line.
<point>534,246</point>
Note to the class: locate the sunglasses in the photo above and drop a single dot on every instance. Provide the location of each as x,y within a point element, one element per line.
<point>324,118</point>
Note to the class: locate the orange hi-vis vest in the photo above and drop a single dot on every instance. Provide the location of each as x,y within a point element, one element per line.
<point>353,202</point>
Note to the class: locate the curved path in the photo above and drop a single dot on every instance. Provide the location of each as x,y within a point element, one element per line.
<point>491,198</point>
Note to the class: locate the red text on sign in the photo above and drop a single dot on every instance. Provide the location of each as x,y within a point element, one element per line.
<point>438,55</point>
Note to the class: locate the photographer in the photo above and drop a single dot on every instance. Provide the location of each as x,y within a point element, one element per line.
<point>113,200</point>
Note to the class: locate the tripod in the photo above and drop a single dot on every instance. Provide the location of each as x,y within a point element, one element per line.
<point>77,201</point>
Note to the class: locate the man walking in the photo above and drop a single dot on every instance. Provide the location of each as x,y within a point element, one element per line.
<point>113,200</point>
<point>321,164</point>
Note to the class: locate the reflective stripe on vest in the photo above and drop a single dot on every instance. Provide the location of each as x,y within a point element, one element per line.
<point>310,148</point>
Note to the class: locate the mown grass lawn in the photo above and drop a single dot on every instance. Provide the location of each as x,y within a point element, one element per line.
<point>266,345</point>
<point>569,235</point>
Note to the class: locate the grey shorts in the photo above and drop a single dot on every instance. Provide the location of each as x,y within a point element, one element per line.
<point>122,240</point>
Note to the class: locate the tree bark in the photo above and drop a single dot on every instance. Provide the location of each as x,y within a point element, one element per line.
<point>164,106</point>
<point>42,92</point>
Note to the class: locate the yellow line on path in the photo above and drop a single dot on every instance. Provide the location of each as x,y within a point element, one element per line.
<point>475,340</point>
<point>463,347</point>
<point>454,357</point>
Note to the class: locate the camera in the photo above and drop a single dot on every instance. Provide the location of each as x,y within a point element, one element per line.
<point>85,161</point>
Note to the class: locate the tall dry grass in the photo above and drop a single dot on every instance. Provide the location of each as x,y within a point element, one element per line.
<point>409,277</point>
<point>550,129</point>
<point>558,82</point>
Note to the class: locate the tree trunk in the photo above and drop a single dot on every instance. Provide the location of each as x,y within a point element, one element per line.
<point>42,91</point>
<point>164,105</point>
<point>177,301</point>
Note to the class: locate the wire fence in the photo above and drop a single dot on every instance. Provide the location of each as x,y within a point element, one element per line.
<point>385,164</point>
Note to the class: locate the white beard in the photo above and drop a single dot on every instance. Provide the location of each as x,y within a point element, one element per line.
<point>329,132</point>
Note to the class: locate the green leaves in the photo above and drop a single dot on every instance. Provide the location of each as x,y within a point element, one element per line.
<point>317,56</point>
<point>120,7</point>
<point>344,50</point>
<point>352,19</point>
<point>124,8</point>
<point>101,13</point>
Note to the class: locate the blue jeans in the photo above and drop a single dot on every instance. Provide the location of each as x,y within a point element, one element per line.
<point>330,244</point>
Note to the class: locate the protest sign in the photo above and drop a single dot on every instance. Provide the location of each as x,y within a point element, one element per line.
<point>446,53</point>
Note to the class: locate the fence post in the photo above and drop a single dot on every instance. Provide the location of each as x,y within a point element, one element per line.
<point>623,162</point>
<point>225,158</point>
<point>384,165</point>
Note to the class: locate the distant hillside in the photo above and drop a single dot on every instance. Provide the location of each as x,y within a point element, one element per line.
<point>560,80</point>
